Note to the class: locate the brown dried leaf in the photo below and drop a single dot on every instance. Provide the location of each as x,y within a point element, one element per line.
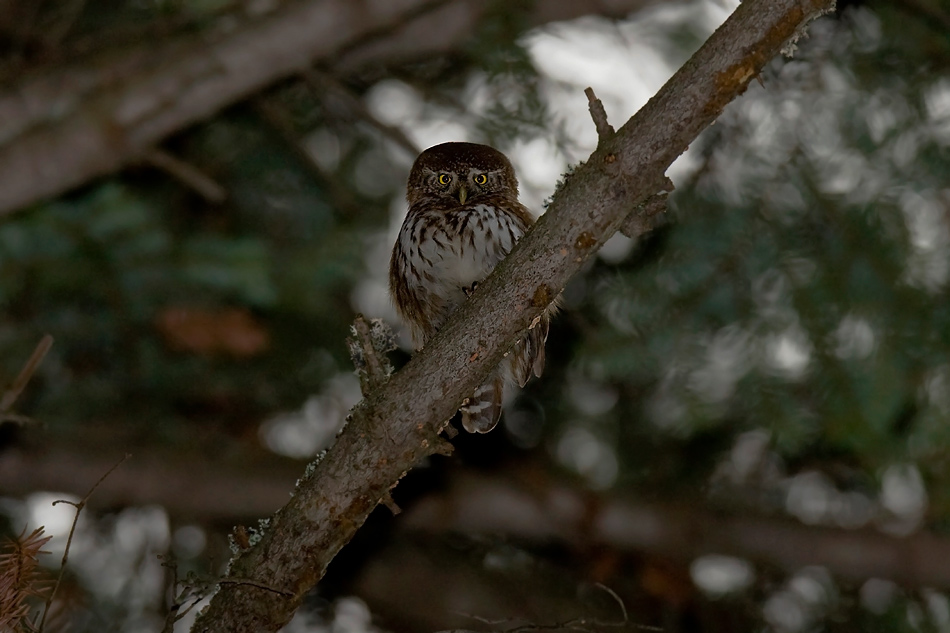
<point>231,331</point>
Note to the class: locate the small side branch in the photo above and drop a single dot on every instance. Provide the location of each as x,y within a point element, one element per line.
<point>605,131</point>
<point>186,174</point>
<point>10,395</point>
<point>321,83</point>
<point>72,530</point>
<point>387,500</point>
<point>370,343</point>
<point>582,624</point>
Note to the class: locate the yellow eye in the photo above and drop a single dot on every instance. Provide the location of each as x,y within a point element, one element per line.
<point>444,179</point>
<point>480,179</point>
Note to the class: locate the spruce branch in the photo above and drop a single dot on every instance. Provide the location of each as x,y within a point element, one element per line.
<point>20,579</point>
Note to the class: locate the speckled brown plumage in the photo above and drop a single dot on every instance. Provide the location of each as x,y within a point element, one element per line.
<point>464,217</point>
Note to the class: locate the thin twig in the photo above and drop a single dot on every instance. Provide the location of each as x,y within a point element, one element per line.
<point>577,624</point>
<point>319,82</point>
<point>390,503</point>
<point>186,174</point>
<point>274,115</point>
<point>605,131</point>
<point>195,589</point>
<point>928,13</point>
<point>623,607</point>
<point>39,353</point>
<point>69,540</point>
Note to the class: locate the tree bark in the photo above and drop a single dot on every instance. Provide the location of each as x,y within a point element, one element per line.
<point>392,429</point>
<point>64,128</point>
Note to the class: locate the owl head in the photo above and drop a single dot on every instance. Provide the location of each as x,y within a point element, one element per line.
<point>460,172</point>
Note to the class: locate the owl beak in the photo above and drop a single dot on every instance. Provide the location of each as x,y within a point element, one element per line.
<point>463,194</point>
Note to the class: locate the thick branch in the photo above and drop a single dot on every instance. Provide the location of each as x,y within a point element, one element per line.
<point>681,531</point>
<point>392,430</point>
<point>188,484</point>
<point>56,140</point>
<point>60,130</point>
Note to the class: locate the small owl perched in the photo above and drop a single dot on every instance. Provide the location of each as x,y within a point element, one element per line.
<point>464,217</point>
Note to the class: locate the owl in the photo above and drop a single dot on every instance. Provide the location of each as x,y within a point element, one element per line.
<point>464,217</point>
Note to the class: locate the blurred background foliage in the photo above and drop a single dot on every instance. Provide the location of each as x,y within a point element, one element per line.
<point>779,347</point>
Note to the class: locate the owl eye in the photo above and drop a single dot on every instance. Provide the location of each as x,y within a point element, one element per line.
<point>480,179</point>
<point>444,179</point>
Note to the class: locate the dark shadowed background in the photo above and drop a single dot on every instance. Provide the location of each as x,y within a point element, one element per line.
<point>744,420</point>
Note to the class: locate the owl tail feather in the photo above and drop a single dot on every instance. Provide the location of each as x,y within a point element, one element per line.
<point>483,410</point>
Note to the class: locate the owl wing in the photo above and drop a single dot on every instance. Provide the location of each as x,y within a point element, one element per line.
<point>527,356</point>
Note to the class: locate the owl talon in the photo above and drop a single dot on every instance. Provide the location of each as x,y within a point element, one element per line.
<point>469,290</point>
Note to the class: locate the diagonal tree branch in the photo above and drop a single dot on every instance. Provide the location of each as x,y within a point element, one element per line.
<point>390,431</point>
<point>64,128</point>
